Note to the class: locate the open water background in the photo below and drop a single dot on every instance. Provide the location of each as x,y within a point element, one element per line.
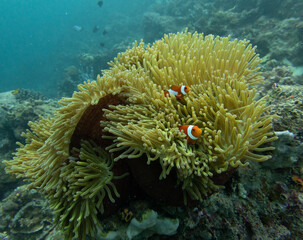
<point>38,41</point>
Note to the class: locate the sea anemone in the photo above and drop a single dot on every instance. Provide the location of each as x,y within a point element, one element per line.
<point>122,126</point>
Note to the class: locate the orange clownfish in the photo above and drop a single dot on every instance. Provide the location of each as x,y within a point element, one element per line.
<point>177,91</point>
<point>192,132</point>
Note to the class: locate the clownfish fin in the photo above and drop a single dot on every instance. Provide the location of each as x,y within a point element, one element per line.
<point>166,93</point>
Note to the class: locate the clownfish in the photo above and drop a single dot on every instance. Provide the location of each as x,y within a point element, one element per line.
<point>177,91</point>
<point>192,132</point>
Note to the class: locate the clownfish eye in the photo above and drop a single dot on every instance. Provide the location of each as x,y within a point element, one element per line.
<point>193,129</point>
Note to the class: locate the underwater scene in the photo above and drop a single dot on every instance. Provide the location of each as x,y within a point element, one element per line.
<point>151,120</point>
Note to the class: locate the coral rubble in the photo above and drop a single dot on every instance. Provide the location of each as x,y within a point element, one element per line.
<point>25,215</point>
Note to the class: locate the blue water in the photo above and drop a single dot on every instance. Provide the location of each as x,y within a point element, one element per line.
<point>37,40</point>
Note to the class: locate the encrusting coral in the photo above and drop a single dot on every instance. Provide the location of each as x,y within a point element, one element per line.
<point>125,115</point>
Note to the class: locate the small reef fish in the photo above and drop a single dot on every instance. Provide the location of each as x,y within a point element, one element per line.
<point>126,215</point>
<point>102,44</point>
<point>77,28</point>
<point>15,92</point>
<point>298,181</point>
<point>192,132</point>
<point>178,91</point>
<point>100,3</point>
<point>104,32</point>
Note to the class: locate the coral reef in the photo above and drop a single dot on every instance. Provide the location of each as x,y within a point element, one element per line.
<point>156,25</point>
<point>17,108</point>
<point>25,215</point>
<point>271,208</point>
<point>89,67</point>
<point>284,91</point>
<point>122,129</point>
<point>277,32</point>
<point>72,78</point>
<point>7,182</point>
<point>288,151</point>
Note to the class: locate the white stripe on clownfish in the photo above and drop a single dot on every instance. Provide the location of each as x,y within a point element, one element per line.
<point>172,92</point>
<point>192,132</point>
<point>189,130</point>
<point>183,90</point>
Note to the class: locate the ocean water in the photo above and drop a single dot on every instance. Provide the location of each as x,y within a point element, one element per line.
<point>38,41</point>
